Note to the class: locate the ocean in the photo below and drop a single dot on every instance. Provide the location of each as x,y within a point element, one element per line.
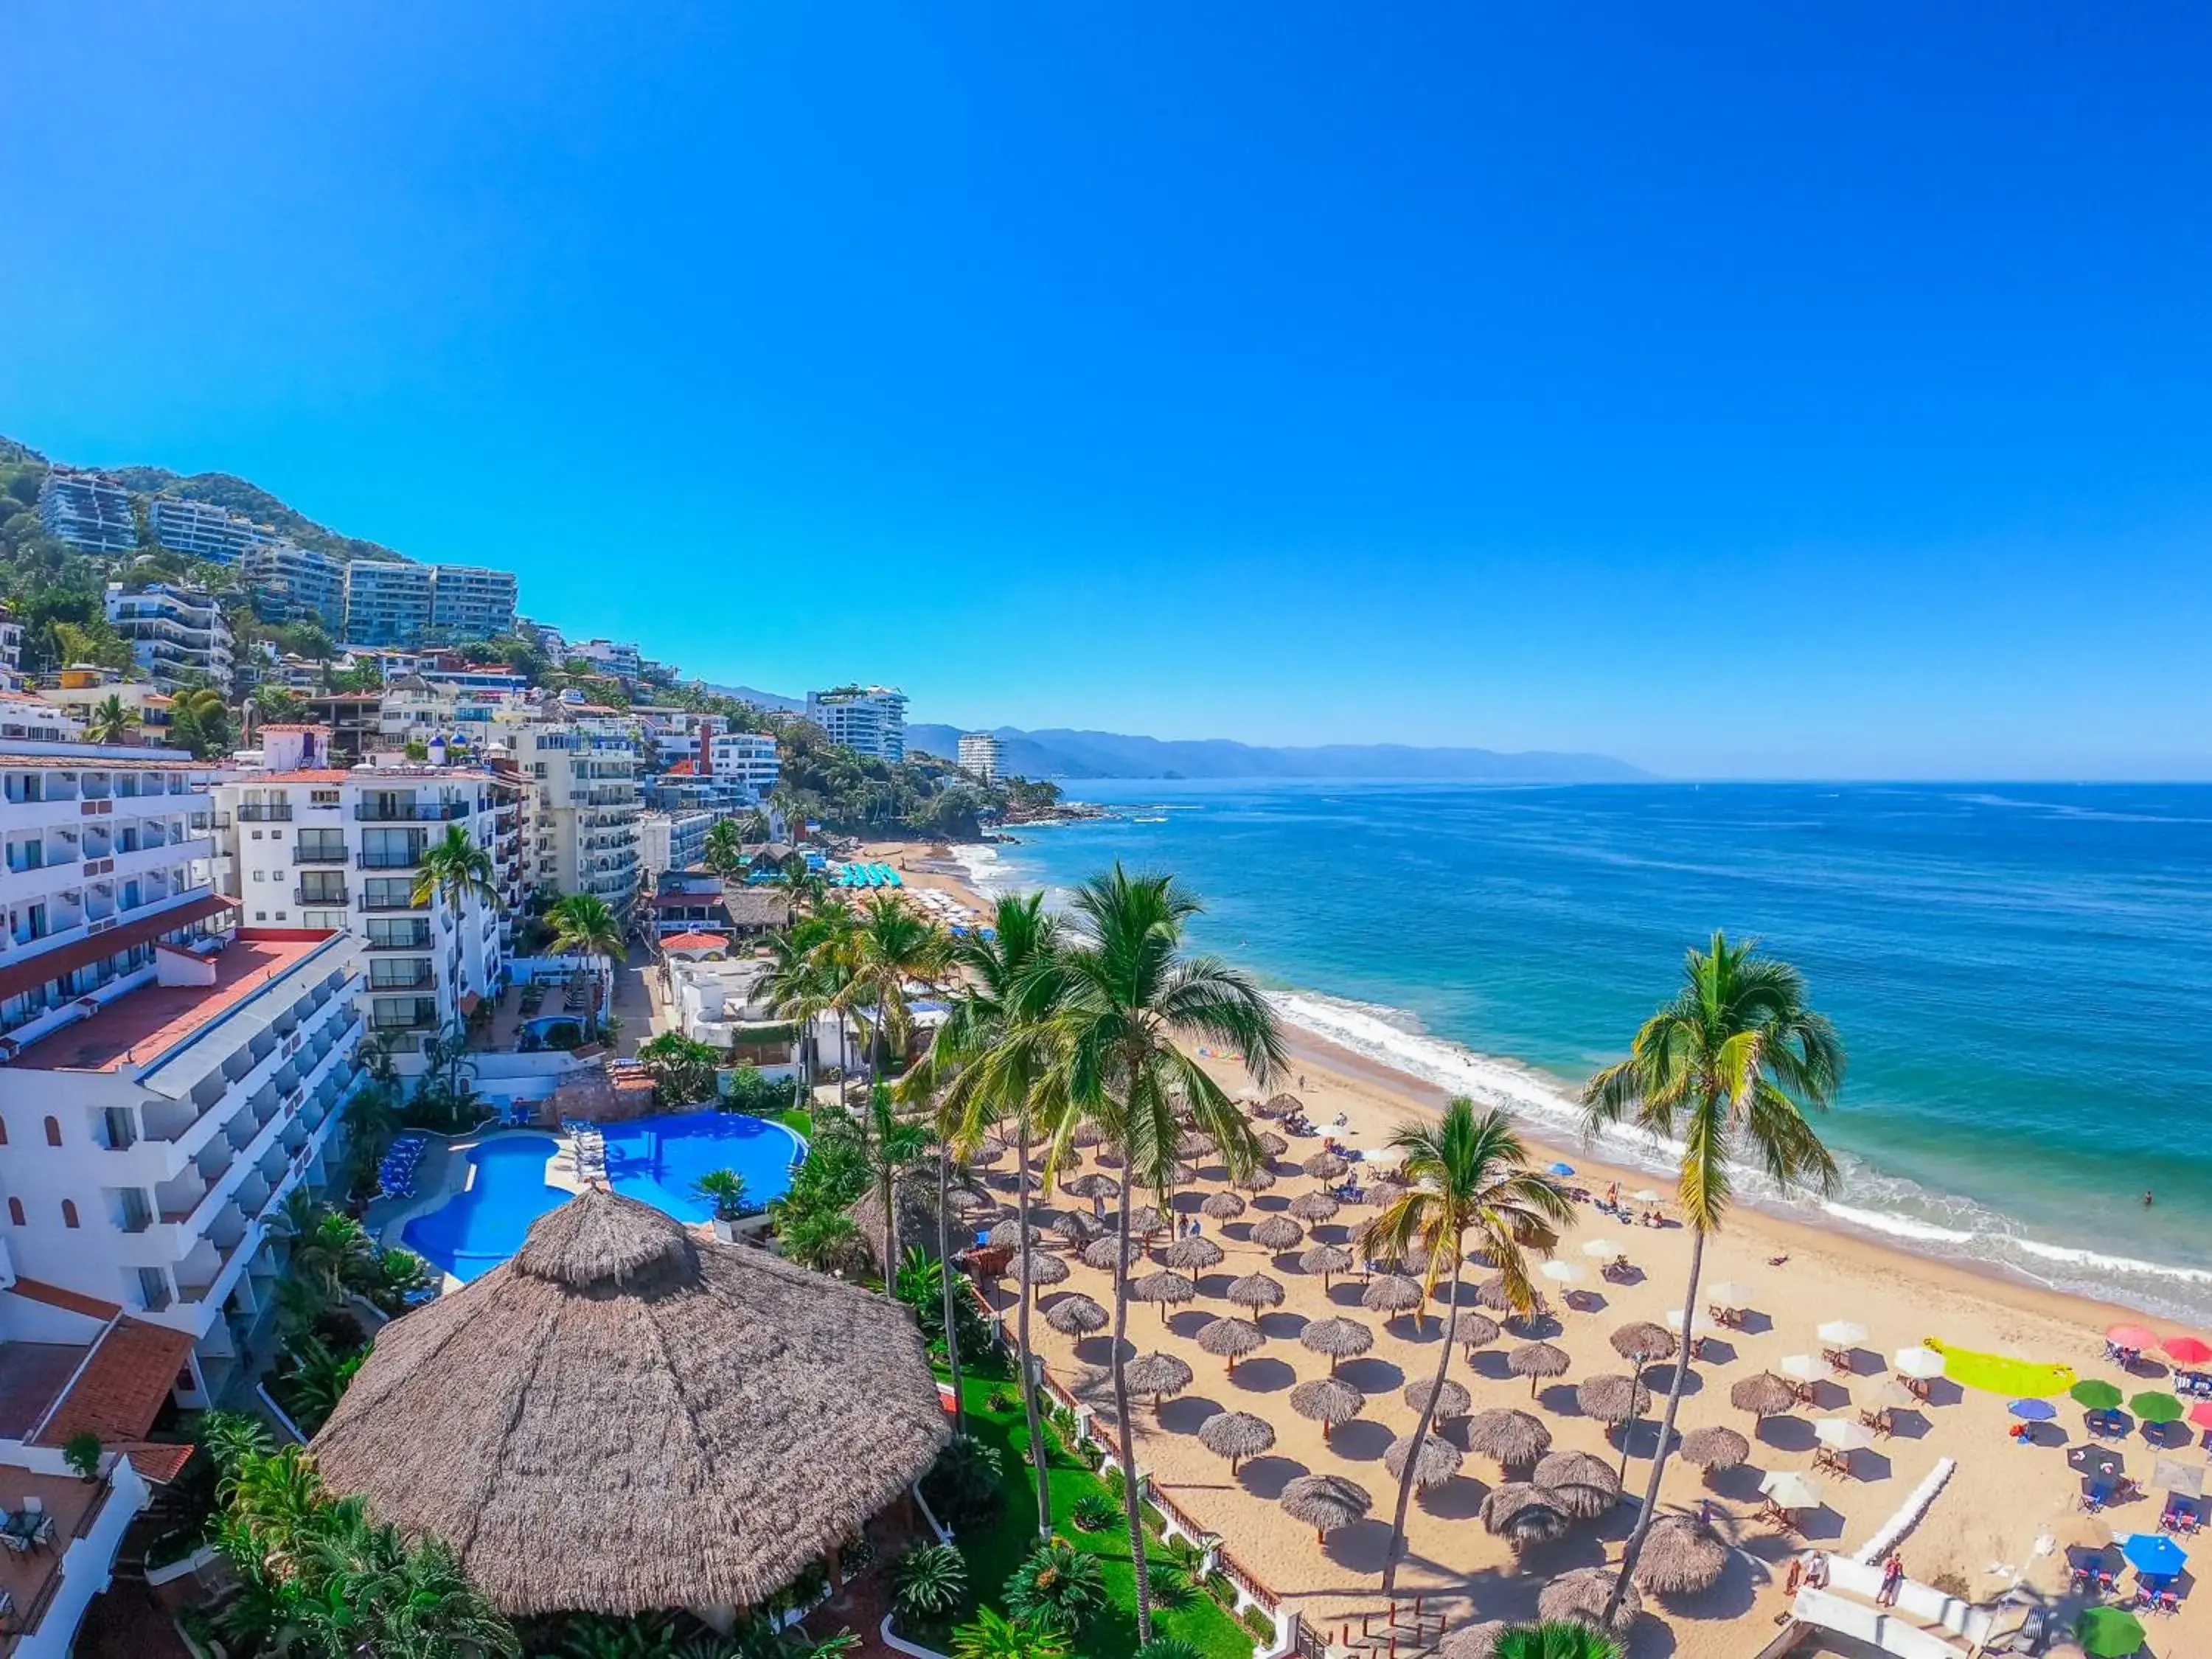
<point>2022,974</point>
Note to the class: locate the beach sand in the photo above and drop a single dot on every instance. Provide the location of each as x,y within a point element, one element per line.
<point>2008,1514</point>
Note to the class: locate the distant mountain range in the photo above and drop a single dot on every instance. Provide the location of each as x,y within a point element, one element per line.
<point>1059,753</point>
<point>773,702</point>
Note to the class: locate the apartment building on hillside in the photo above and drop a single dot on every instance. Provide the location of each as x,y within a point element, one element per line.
<point>201,530</point>
<point>980,753</point>
<point>673,841</point>
<point>582,831</point>
<point>87,511</point>
<point>290,583</point>
<point>468,602</point>
<point>387,604</point>
<point>11,642</point>
<point>868,719</point>
<point>175,632</point>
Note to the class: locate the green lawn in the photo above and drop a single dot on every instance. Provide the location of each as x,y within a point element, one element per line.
<point>802,1122</point>
<point>994,1553</point>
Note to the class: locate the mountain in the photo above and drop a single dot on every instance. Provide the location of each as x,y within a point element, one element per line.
<point>1059,753</point>
<point>773,701</point>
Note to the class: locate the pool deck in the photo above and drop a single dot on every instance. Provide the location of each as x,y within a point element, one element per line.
<point>455,1173</point>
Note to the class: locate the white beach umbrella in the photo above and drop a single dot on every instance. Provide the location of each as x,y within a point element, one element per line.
<point>1843,1333</point>
<point>1645,1195</point>
<point>1562,1272</point>
<point>1728,1294</point>
<point>1922,1363</point>
<point>1791,1490</point>
<point>1699,1324</point>
<point>1801,1367</point>
<point>1843,1434</point>
<point>1604,1250</point>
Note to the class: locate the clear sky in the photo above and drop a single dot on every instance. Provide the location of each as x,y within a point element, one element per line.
<point>1771,390</point>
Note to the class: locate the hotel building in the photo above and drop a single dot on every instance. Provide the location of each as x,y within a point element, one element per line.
<point>582,833</point>
<point>201,530</point>
<point>980,753</point>
<point>87,511</point>
<point>173,632</point>
<point>387,604</point>
<point>291,583</point>
<point>868,719</point>
<point>470,602</point>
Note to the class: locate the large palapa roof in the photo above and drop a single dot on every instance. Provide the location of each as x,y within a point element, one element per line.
<point>626,1417</point>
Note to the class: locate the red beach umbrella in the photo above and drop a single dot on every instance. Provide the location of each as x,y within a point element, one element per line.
<point>2200,1414</point>
<point>2132,1336</point>
<point>2189,1349</point>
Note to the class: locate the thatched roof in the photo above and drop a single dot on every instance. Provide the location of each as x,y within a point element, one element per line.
<point>1762,1395</point>
<point>1325,1502</point>
<point>1272,1144</point>
<point>1113,1248</point>
<point>1193,1143</point>
<point>1512,1437</point>
<point>1337,1337</point>
<point>1095,1184</point>
<point>1325,1259</point>
<point>1231,1339</point>
<point>1165,1286</point>
<point>1034,1267</point>
<point>1278,1233</point>
<point>1580,1485</point>
<point>1523,1514</point>
<point>1581,1596</point>
<point>1009,1235</point>
<point>1110,1157</point>
<point>1236,1434</point>
<point>1475,1641</point>
<point>1681,1556</point>
<point>1612,1399</point>
<point>1325,1166</point>
<point>1078,1227</point>
<point>1222,1206</point>
<point>1257,1179</point>
<point>1537,1359</point>
<point>1145,1218</point>
<point>1278,1106</point>
<point>1328,1399</point>
<point>626,1417</point>
<point>1391,1293</point>
<point>1474,1329</point>
<point>1643,1342</point>
<point>1195,1253</point>
<point>1256,1291</point>
<point>1077,1315</point>
<point>1314,1206</point>
<point>1157,1374</point>
<point>1439,1461</point>
<point>1086,1133</point>
<point>1715,1448</point>
<point>1452,1400</point>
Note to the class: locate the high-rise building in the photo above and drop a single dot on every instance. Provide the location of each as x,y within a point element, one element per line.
<point>173,631</point>
<point>292,583</point>
<point>868,719</point>
<point>201,530</point>
<point>611,655</point>
<point>386,602</point>
<point>672,841</point>
<point>87,510</point>
<point>748,756</point>
<point>980,753</point>
<point>582,831</point>
<point>471,603</point>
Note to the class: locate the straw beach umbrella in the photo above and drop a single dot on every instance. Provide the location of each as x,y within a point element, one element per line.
<point>1472,1330</point>
<point>1078,1227</point>
<point>1158,1375</point>
<point>1681,1556</point>
<point>1256,1291</point>
<point>1582,1486</point>
<point>1612,1400</point>
<point>1283,1105</point>
<point>1512,1439</point>
<point>1272,1145</point>
<point>1452,1400</point>
<point>1762,1395</point>
<point>1165,1287</point>
<point>1582,1596</point>
<point>1257,1179</point>
<point>1522,1514</point>
<point>1075,1316</point>
<point>1195,1254</point>
<point>1009,1235</point>
<point>1536,1361</point>
<point>1439,1461</point>
<point>1327,1401</point>
<point>1192,1144</point>
<point>1715,1448</point>
<point>1145,1219</point>
<point>1236,1436</point>
<point>1337,1337</point>
<point>1032,1267</point>
<point>1643,1343</point>
<point>498,1417</point>
<point>1325,1166</point>
<point>1492,1293</point>
<point>1105,1253</point>
<point>1325,1502</point>
<point>1314,1206</point>
<point>1325,1259</point>
<point>1222,1206</point>
<point>1475,1641</point>
<point>1277,1233</point>
<point>1231,1340</point>
<point>1095,1187</point>
<point>1390,1295</point>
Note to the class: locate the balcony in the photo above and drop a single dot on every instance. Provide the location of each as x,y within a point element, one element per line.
<point>326,853</point>
<point>281,813</point>
<point>412,811</point>
<point>401,976</point>
<point>423,1018</point>
<point>401,858</point>
<point>332,897</point>
<point>404,901</point>
<point>416,937</point>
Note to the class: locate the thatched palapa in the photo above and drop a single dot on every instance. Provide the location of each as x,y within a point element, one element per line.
<point>1522,1514</point>
<point>1231,1340</point>
<point>1452,1399</point>
<point>1094,1187</point>
<point>1325,1502</point>
<point>1582,1486</point>
<point>1513,1438</point>
<point>1642,1343</point>
<point>1277,1233</point>
<point>1582,1596</point>
<point>1009,1235</point>
<point>1034,1267</point>
<point>1475,1641</point>
<point>1158,1375</point>
<point>1327,1401</point>
<point>1325,1166</point>
<point>1105,1253</point>
<point>1164,1287</point>
<point>1340,1339</point>
<point>1078,1227</point>
<point>1391,1293</point>
<point>1535,1361</point>
<point>1236,1436</point>
<point>1492,1293</point>
<point>1681,1556</point>
<point>1256,1291</point>
<point>1272,1144</point>
<point>1314,1206</point>
<point>1325,1259</point>
<point>1474,1329</point>
<point>1762,1395</point>
<point>1715,1448</point>
<point>1222,1206</point>
<point>624,1418</point>
<point>1077,1315</point>
<point>1145,1218</point>
<point>1278,1106</point>
<point>1439,1461</point>
<point>1257,1179</point>
<point>1612,1399</point>
<point>1193,1253</point>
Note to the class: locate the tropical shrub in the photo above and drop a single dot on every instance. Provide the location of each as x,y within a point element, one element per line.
<point>81,1451</point>
<point>1167,1647</point>
<point>1094,1512</point>
<point>995,1637</point>
<point>681,1069</point>
<point>966,1488</point>
<point>1170,1586</point>
<point>726,1190</point>
<point>921,1288</point>
<point>1555,1639</point>
<point>1056,1583</point>
<point>1257,1619</point>
<point>930,1581</point>
<point>747,1091</point>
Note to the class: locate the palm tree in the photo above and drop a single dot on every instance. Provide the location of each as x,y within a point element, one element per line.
<point>455,870</point>
<point>1465,1174</point>
<point>586,924</point>
<point>811,968</point>
<point>1730,1066</point>
<point>1119,998</point>
<point>888,1145</point>
<point>724,854</point>
<point>893,947</point>
<point>384,1593</point>
<point>1556,1638</point>
<point>110,721</point>
<point>199,721</point>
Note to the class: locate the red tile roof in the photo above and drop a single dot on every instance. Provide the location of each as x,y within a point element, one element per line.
<point>53,1296</point>
<point>158,1461</point>
<point>142,1023</point>
<point>34,971</point>
<point>123,1385</point>
<point>695,942</point>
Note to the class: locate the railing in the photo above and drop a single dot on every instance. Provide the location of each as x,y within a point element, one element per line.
<point>405,859</point>
<point>417,940</point>
<point>301,895</point>
<point>415,980</point>
<point>302,853</point>
<point>407,903</point>
<point>278,814</point>
<point>417,812</point>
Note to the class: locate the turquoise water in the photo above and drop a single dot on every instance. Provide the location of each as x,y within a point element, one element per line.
<point>2023,974</point>
<point>657,1159</point>
<point>474,1231</point>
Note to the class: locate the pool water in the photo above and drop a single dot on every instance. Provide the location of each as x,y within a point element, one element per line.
<point>657,1159</point>
<point>473,1232</point>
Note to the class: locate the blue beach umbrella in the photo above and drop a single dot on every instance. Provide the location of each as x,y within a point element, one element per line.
<point>2155,1553</point>
<point>2033,1410</point>
<point>1563,1168</point>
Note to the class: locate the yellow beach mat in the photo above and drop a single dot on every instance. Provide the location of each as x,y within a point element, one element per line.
<point>2001,1373</point>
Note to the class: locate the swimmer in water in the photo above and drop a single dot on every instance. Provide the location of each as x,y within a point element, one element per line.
<point>2146,1198</point>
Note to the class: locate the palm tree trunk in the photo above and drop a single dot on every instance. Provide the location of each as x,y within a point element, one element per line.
<point>1666,1434</point>
<point>944,1270</point>
<point>1420,1434</point>
<point>1128,1429</point>
<point>1037,1457</point>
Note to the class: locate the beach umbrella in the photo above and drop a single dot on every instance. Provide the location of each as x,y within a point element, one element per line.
<point>1887,1393</point>
<point>1492,1293</point>
<point>1164,1287</point>
<point>1697,1326</point>
<point>1158,1375</point>
<point>2188,1350</point>
<point>1438,1462</point>
<point>1010,1235</point>
<point>2097,1462</point>
<point>1314,1206</point>
<point>1236,1436</point>
<point>1413,1258</point>
<point>1582,1595</point>
<point>2109,1632</point>
<point>1257,1179</point>
<point>1582,1486</point>
<point>1612,1399</point>
<point>1195,1254</point>
<point>2200,1414</point>
<point>2155,1407</point>
<point>1231,1340</point>
<point>1648,1195</point>
<point>2096,1393</point>
<point>1643,1342</point>
<point>1681,1556</point>
<point>1325,1166</point>
<point>1338,1339</point>
<point>1563,1168</point>
<point>1222,1206</point>
<point>2033,1410</point>
<point>1105,1253</point>
<point>1843,1434</point>
<point>1093,1186</point>
<point>1278,1106</point>
<point>1726,1294</point>
<point>2155,1553</point>
<point>1183,1174</point>
<point>1078,1227</point>
<point>1075,1316</point>
<point>1279,1233</point>
<point>1029,1268</point>
<point>1522,1514</point>
<point>1842,1334</point>
<point>1604,1250</point>
<point>1087,1135</point>
<point>2185,1479</point>
<point>1715,1448</point>
<point>1762,1395</point>
<point>1801,1368</point>
<point>1391,1294</point>
<point>1327,1401</point>
<point>1922,1365</point>
<point>1272,1144</point>
<point>1452,1399</point>
<point>1256,1291</point>
<point>1326,1259</point>
<point>1536,1361</point>
<point>1325,1502</point>
<point>1474,1329</point>
<point>1145,1218</point>
<point>1110,1157</point>
<point>1511,1439</point>
<point>1192,1144</point>
<point>1791,1490</point>
<point>1562,1272</point>
<point>1475,1641</point>
<point>2132,1336</point>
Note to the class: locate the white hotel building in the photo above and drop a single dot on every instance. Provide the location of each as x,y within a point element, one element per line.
<point>582,834</point>
<point>868,719</point>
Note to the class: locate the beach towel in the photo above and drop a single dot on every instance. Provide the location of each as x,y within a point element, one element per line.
<point>2003,1373</point>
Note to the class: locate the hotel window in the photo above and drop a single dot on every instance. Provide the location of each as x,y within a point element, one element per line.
<point>15,1210</point>
<point>69,1212</point>
<point>53,1132</point>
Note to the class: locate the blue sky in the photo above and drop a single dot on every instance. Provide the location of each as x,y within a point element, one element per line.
<point>1738,390</point>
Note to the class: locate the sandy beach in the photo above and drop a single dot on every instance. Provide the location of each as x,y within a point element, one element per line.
<point>2009,1514</point>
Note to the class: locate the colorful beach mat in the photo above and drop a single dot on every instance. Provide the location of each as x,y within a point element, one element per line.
<point>2001,1373</point>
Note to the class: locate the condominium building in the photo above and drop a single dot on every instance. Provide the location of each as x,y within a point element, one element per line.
<point>307,845</point>
<point>24,714</point>
<point>468,602</point>
<point>87,511</point>
<point>291,583</point>
<point>201,530</point>
<point>173,631</point>
<point>748,756</point>
<point>868,719</point>
<point>11,641</point>
<point>980,753</point>
<point>673,841</point>
<point>582,829</point>
<point>386,602</point>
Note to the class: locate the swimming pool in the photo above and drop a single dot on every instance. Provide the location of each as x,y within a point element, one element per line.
<point>657,1159</point>
<point>474,1231</point>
